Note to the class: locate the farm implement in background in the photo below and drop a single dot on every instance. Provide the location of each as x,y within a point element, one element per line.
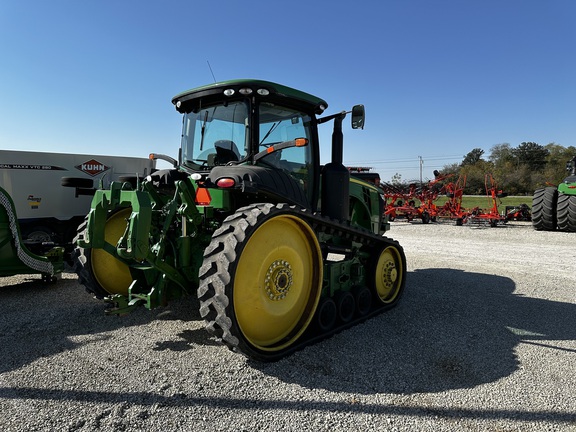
<point>419,201</point>
<point>401,203</point>
<point>44,196</point>
<point>452,209</point>
<point>518,213</point>
<point>401,200</point>
<point>491,216</point>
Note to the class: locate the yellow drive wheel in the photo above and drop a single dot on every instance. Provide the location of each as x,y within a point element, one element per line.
<point>389,274</point>
<point>112,275</point>
<point>277,282</point>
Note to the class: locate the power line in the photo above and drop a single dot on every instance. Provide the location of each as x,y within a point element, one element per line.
<point>415,159</point>
<point>399,168</point>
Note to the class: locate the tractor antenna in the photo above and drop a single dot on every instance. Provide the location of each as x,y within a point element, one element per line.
<point>211,70</point>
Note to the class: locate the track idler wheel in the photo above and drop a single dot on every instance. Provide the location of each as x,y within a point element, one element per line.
<point>390,275</point>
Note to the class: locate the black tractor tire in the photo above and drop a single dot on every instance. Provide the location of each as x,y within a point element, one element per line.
<point>260,282</point>
<point>566,212</point>
<point>544,204</point>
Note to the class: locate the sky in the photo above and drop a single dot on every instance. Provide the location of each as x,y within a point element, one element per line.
<point>438,78</point>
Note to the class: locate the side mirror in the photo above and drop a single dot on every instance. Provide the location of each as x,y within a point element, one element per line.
<point>358,117</point>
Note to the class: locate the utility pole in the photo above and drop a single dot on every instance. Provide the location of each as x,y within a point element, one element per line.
<point>421,163</point>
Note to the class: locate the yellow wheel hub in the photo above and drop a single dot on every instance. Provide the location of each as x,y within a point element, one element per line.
<point>389,274</point>
<point>277,283</point>
<point>278,279</point>
<point>112,275</point>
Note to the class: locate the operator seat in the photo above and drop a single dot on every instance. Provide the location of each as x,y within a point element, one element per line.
<point>226,151</point>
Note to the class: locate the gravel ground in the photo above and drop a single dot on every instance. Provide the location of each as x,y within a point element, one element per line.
<point>483,340</point>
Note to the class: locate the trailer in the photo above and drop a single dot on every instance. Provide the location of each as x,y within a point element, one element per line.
<point>49,195</point>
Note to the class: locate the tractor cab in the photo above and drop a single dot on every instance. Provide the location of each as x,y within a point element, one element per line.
<point>254,139</point>
<point>571,168</point>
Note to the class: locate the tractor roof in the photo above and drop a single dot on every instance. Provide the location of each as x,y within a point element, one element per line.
<point>258,87</point>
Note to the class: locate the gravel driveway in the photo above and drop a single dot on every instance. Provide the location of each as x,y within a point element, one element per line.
<point>483,340</point>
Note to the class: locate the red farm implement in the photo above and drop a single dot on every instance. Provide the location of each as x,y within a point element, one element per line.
<point>491,216</point>
<point>518,213</point>
<point>401,202</point>
<point>415,201</point>
<point>452,209</point>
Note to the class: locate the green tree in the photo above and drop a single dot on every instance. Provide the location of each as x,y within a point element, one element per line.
<point>531,154</point>
<point>517,171</point>
<point>453,169</point>
<point>555,171</point>
<point>501,154</point>
<point>473,157</point>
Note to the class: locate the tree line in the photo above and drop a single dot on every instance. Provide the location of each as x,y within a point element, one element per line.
<point>516,170</point>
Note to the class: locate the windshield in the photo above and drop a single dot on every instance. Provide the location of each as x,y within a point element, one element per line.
<point>215,135</point>
<point>279,124</point>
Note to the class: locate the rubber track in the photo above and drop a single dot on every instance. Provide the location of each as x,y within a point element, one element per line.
<point>220,254</point>
<point>81,265</point>
<point>566,212</point>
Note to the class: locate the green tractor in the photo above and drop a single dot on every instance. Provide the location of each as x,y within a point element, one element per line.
<point>280,250</point>
<point>555,208</point>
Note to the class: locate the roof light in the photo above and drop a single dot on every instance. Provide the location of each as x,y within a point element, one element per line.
<point>263,92</point>
<point>245,91</point>
<point>226,182</point>
<point>228,92</point>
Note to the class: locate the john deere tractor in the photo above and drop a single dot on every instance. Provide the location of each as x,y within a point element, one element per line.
<point>280,250</point>
<point>555,208</point>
